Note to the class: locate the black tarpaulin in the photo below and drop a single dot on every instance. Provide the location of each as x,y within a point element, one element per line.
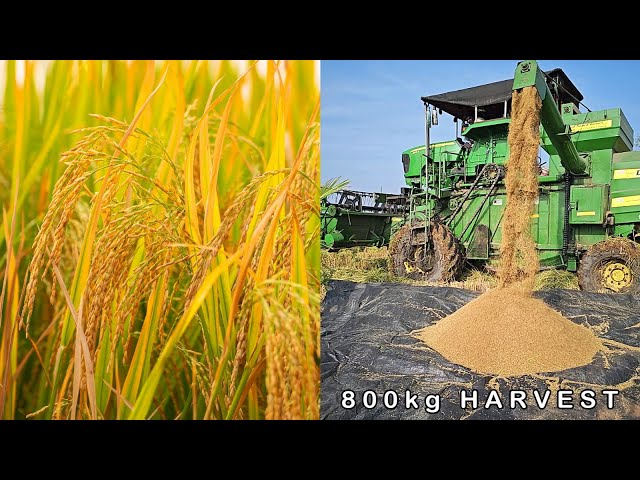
<point>367,345</point>
<point>490,98</point>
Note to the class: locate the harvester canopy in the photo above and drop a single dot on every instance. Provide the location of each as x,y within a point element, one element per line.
<point>490,98</point>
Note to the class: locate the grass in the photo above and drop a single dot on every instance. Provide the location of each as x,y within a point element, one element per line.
<point>369,265</point>
<point>159,250</point>
<point>550,279</point>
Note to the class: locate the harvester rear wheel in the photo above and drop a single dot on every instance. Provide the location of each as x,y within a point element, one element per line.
<point>611,266</point>
<point>442,262</point>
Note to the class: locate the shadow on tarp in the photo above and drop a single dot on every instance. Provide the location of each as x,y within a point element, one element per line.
<point>367,345</point>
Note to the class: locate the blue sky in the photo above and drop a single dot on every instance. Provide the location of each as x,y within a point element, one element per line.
<point>371,110</point>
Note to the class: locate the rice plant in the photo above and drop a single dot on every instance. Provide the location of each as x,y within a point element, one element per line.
<point>159,246</point>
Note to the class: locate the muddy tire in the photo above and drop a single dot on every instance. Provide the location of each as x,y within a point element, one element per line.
<point>443,264</point>
<point>611,266</point>
<point>399,251</point>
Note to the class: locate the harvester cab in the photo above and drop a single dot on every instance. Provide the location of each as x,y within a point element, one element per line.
<point>587,215</point>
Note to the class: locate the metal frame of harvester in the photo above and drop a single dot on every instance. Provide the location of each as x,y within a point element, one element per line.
<point>350,218</point>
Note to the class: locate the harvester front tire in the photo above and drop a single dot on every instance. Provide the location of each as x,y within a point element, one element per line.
<point>399,251</point>
<point>448,255</point>
<point>611,266</point>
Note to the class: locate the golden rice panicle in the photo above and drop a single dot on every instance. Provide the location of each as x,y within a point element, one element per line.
<point>65,196</point>
<point>291,384</point>
<point>114,249</point>
<point>240,358</point>
<point>229,218</point>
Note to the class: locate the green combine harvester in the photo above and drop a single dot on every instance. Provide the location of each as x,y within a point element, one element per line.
<point>358,219</point>
<point>588,210</point>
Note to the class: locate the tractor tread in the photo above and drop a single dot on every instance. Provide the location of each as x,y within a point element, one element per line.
<point>449,251</point>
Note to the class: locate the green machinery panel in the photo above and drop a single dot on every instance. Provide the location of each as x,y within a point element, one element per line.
<point>588,204</point>
<point>350,229</point>
<point>490,144</point>
<point>599,130</point>
<point>544,225</point>
<point>414,161</point>
<point>625,187</point>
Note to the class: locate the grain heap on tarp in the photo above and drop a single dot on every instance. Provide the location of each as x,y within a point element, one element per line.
<point>506,331</point>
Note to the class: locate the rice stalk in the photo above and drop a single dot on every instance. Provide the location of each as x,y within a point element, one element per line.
<point>171,212</point>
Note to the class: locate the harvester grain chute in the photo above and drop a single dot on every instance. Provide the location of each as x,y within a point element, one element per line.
<point>587,215</point>
<point>349,218</point>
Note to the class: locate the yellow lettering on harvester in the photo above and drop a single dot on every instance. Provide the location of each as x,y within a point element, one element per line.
<point>585,214</point>
<point>581,127</point>
<point>627,173</point>
<point>433,145</point>
<point>625,201</point>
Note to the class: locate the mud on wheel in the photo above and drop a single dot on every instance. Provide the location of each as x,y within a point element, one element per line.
<point>611,266</point>
<point>441,262</point>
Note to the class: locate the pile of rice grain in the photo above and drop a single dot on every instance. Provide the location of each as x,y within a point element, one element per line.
<point>506,331</point>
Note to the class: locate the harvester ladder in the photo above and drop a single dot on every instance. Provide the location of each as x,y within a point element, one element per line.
<point>490,191</point>
<point>466,196</point>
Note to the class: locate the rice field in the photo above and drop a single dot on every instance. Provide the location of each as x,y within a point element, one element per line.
<point>159,251</point>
